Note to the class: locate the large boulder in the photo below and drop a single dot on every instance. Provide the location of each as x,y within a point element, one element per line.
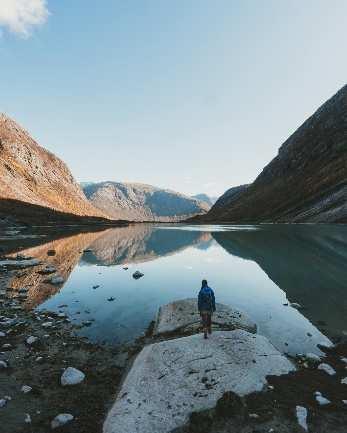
<point>171,379</point>
<point>183,317</point>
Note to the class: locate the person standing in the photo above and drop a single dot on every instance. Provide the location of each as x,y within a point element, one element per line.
<point>206,307</point>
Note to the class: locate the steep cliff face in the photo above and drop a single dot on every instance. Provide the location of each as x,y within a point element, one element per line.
<point>138,202</point>
<point>31,174</point>
<point>210,201</point>
<point>306,181</point>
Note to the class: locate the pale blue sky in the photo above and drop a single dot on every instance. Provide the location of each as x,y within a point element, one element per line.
<point>194,95</point>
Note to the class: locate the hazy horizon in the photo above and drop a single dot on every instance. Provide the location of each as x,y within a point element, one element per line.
<point>191,96</point>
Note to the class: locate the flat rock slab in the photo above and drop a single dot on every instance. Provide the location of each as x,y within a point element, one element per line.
<point>171,379</point>
<point>183,316</point>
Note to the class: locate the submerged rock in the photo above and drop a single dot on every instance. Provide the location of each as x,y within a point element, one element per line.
<point>183,316</point>
<point>137,275</point>
<point>56,279</point>
<point>19,264</point>
<point>171,379</point>
<point>61,420</point>
<point>72,376</point>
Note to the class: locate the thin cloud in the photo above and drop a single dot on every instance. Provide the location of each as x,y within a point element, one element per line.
<point>22,16</point>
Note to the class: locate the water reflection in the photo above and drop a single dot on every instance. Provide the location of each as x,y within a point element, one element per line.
<point>255,268</point>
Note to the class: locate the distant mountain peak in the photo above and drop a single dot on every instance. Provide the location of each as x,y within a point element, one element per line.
<point>142,202</point>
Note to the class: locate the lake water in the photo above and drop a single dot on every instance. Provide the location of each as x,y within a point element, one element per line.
<point>253,268</point>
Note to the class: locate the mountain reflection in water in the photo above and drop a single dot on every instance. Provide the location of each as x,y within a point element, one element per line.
<point>254,268</point>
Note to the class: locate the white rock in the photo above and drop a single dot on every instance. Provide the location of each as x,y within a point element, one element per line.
<point>7,346</point>
<point>344,401</point>
<point>327,368</point>
<point>183,315</point>
<point>31,340</point>
<point>47,324</point>
<point>253,415</point>
<point>3,364</point>
<point>301,415</point>
<point>312,357</point>
<point>27,418</point>
<point>61,420</point>
<point>2,334</point>
<point>194,371</point>
<point>26,388</point>
<point>72,376</point>
<point>344,360</point>
<point>344,381</point>
<point>3,402</point>
<point>321,400</point>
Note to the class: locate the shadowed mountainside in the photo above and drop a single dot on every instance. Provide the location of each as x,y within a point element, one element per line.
<point>305,182</point>
<point>314,250</point>
<point>139,202</point>
<point>30,174</point>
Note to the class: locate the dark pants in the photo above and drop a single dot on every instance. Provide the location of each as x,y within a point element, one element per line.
<point>206,319</point>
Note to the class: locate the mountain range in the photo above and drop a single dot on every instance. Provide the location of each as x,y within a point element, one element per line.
<point>305,182</point>
<point>37,187</point>
<point>140,202</point>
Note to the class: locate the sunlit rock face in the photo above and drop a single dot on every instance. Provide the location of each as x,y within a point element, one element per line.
<point>31,174</point>
<point>134,244</point>
<point>139,202</point>
<point>68,252</point>
<point>306,181</point>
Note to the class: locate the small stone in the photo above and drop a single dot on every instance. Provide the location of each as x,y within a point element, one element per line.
<point>344,381</point>
<point>7,346</point>
<point>72,376</point>
<point>296,305</point>
<point>111,299</point>
<point>253,415</point>
<point>301,415</point>
<point>7,397</point>
<point>26,388</point>
<point>51,253</point>
<point>322,401</point>
<point>312,357</point>
<point>96,287</point>
<point>344,360</point>
<point>2,334</point>
<point>3,365</point>
<point>31,340</point>
<point>47,324</point>
<point>344,401</point>
<point>39,359</point>
<point>3,402</point>
<point>327,368</point>
<point>27,419</point>
<point>137,275</point>
<point>61,420</point>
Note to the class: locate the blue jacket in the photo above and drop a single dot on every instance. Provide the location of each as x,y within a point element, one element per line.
<point>206,299</point>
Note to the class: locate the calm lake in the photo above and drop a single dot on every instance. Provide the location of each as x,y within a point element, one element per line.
<point>257,269</point>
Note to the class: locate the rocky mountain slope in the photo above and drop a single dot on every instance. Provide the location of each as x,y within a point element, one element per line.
<point>205,198</point>
<point>305,182</point>
<point>31,174</point>
<point>139,202</point>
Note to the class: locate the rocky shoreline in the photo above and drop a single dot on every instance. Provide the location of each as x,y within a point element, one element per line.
<point>38,347</point>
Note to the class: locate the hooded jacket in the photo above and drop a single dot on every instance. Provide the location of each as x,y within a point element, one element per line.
<point>206,299</point>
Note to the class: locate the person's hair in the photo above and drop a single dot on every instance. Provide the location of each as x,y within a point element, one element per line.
<point>203,283</point>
